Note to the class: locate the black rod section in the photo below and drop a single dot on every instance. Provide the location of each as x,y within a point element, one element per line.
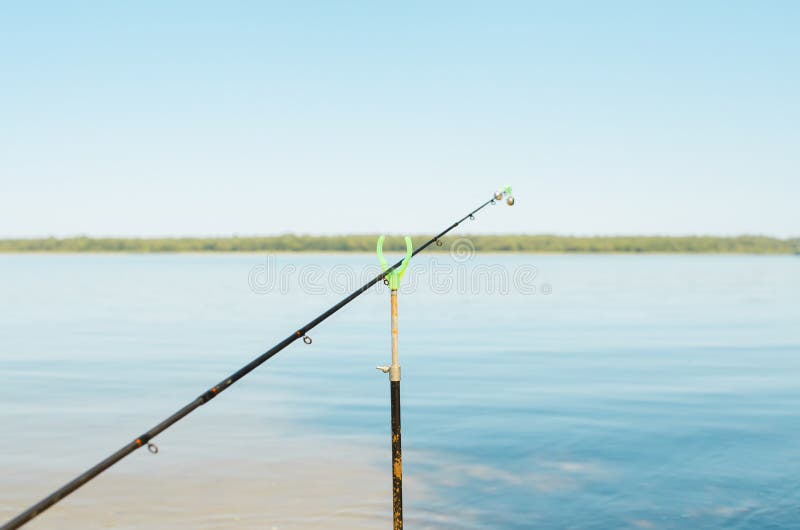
<point>209,394</point>
<point>397,458</point>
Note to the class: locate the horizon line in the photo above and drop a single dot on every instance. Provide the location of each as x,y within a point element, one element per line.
<point>392,234</point>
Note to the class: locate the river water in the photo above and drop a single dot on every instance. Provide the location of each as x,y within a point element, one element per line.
<point>607,391</point>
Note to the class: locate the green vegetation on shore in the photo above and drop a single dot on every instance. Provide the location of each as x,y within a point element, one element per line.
<point>366,243</point>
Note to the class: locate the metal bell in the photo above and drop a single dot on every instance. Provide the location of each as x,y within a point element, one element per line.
<point>498,195</point>
<point>510,200</point>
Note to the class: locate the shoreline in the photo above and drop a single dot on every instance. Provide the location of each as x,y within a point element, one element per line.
<point>461,243</point>
<point>371,253</point>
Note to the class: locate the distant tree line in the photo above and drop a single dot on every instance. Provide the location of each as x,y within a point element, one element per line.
<point>366,243</point>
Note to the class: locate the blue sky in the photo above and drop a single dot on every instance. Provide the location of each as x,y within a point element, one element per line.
<point>201,118</point>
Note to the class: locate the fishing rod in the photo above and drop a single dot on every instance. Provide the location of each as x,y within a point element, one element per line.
<point>302,332</point>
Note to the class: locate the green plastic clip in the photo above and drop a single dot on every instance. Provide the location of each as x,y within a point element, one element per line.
<point>396,275</point>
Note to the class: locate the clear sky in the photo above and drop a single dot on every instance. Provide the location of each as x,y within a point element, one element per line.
<point>215,118</point>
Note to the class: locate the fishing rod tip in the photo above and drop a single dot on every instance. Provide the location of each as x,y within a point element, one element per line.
<point>505,192</point>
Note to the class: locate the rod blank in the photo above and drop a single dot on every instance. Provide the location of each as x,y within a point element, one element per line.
<point>209,394</point>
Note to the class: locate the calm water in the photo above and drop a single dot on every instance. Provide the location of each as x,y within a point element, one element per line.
<point>625,392</point>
